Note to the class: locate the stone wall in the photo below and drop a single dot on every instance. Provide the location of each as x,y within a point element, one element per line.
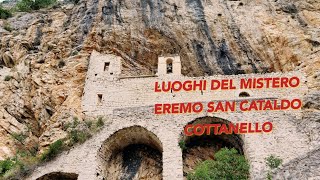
<point>305,167</point>
<point>285,141</point>
<point>129,102</point>
<point>119,92</point>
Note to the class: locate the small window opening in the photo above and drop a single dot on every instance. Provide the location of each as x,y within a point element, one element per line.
<point>106,66</point>
<point>244,94</point>
<point>169,66</point>
<point>99,98</point>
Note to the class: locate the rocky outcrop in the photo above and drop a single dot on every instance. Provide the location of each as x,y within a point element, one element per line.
<point>47,51</point>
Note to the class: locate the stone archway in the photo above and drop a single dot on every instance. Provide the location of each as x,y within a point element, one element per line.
<point>199,148</point>
<point>131,153</point>
<point>59,176</point>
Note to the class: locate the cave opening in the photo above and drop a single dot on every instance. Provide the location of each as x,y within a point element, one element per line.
<point>196,149</point>
<point>131,153</point>
<point>59,176</point>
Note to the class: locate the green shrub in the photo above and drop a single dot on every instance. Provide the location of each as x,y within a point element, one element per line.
<point>88,123</point>
<point>228,164</point>
<point>75,1</point>
<point>22,153</point>
<point>182,144</point>
<point>25,5</point>
<point>54,149</point>
<point>74,53</point>
<point>7,26</point>
<point>44,3</point>
<point>100,122</point>
<point>273,162</point>
<point>29,5</point>
<point>61,64</point>
<point>7,78</point>
<point>66,126</point>
<point>4,13</point>
<point>77,136</point>
<point>72,124</point>
<point>269,175</point>
<point>75,122</point>
<point>19,137</point>
<point>6,165</point>
<point>23,164</point>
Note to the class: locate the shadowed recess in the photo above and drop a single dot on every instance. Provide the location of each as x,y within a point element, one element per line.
<point>59,176</point>
<point>131,153</point>
<point>200,148</point>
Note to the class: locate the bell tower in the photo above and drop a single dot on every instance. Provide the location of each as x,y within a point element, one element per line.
<point>169,65</point>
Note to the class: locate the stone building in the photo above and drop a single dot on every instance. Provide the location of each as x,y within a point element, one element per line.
<point>127,104</point>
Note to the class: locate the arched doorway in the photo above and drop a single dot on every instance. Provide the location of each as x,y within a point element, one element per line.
<point>131,153</point>
<point>59,176</point>
<point>197,149</point>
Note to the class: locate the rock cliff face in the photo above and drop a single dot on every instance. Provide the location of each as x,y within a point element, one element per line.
<point>44,56</point>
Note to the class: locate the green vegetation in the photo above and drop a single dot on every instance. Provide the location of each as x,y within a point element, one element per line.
<point>4,13</point>
<point>6,165</point>
<point>77,136</point>
<point>18,166</point>
<point>75,1</point>
<point>272,162</point>
<point>91,126</point>
<point>54,149</point>
<point>19,137</point>
<point>79,132</point>
<point>182,144</point>
<point>75,122</point>
<point>61,64</point>
<point>7,78</point>
<point>27,159</point>
<point>100,122</point>
<point>29,5</point>
<point>88,123</point>
<point>7,26</point>
<point>74,53</point>
<point>228,165</point>
<point>72,124</point>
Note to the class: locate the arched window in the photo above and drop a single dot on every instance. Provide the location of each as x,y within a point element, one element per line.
<point>169,66</point>
<point>244,94</point>
<point>99,99</point>
<point>106,66</point>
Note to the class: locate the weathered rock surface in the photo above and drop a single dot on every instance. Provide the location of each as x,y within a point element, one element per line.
<point>47,52</point>
<point>301,168</point>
